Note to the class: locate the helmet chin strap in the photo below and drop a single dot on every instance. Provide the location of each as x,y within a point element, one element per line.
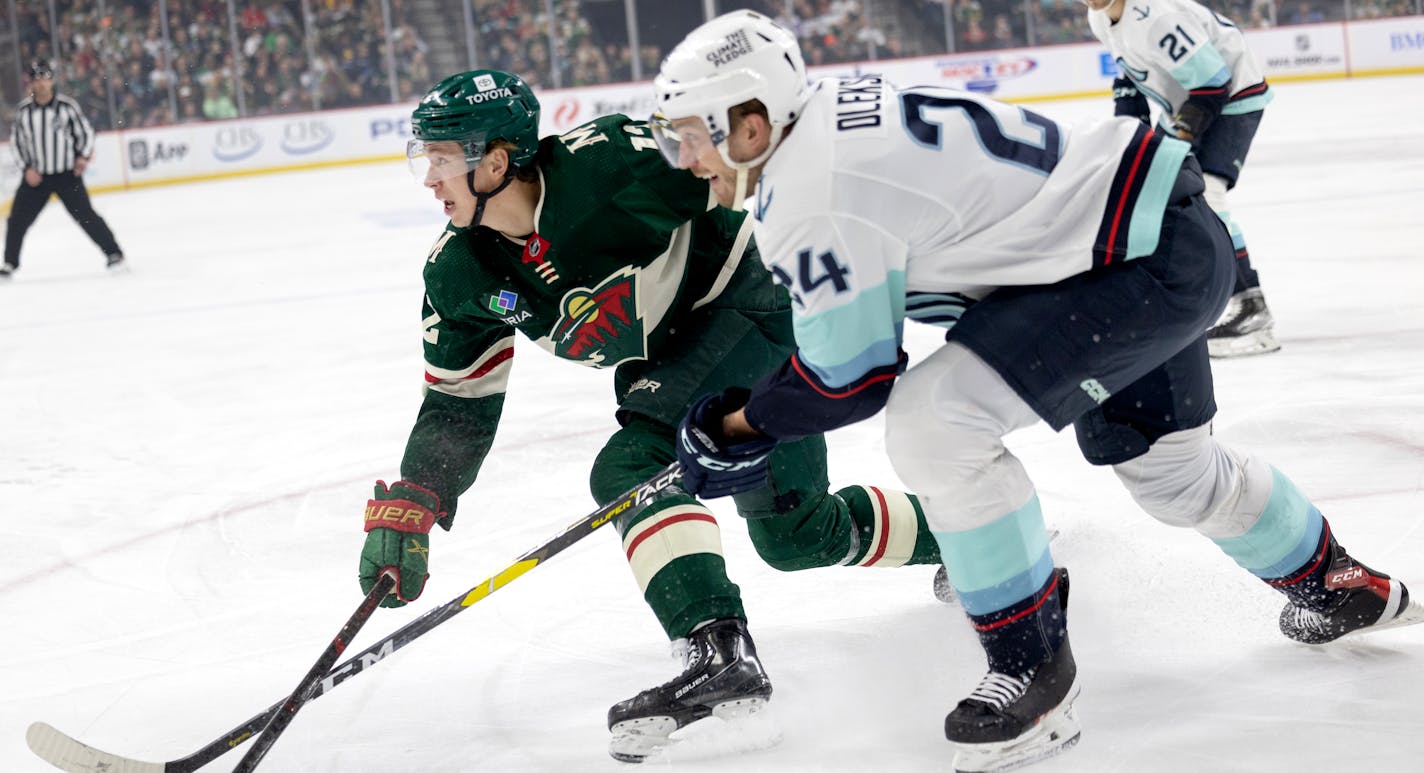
<point>739,191</point>
<point>482,198</point>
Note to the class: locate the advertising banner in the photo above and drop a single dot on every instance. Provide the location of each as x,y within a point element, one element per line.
<point>206,150</point>
<point>1308,50</point>
<point>1386,46</point>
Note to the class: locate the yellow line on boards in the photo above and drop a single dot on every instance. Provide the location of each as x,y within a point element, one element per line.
<point>246,173</point>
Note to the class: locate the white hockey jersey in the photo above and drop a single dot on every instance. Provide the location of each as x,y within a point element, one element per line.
<point>1171,48</point>
<point>886,203</point>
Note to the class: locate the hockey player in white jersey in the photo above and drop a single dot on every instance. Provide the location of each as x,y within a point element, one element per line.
<point>1193,64</point>
<point>1075,269</point>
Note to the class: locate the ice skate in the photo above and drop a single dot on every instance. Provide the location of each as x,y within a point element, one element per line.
<point>1012,721</point>
<point>1365,601</point>
<point>1246,327</point>
<point>722,678</point>
<point>943,591</point>
<point>7,271</point>
<point>116,264</point>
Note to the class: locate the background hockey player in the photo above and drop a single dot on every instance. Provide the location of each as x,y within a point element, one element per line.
<point>1076,269</point>
<point>1210,92</point>
<point>592,247</point>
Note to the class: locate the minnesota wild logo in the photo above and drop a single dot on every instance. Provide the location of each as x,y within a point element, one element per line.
<point>600,327</point>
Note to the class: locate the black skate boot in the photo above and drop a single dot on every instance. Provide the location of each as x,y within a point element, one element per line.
<point>722,678</point>
<point>1246,327</point>
<point>1357,599</point>
<point>1011,721</point>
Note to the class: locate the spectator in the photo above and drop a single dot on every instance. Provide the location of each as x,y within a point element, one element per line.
<point>1003,36</point>
<point>217,102</point>
<point>1305,13</point>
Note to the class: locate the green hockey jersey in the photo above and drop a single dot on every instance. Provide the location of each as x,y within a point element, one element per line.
<point>623,248</point>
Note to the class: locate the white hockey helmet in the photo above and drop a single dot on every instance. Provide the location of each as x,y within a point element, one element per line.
<point>735,58</point>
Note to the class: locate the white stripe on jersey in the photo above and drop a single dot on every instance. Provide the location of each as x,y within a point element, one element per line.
<point>487,375</point>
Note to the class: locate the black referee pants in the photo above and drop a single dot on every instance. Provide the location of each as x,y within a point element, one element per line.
<point>29,200</point>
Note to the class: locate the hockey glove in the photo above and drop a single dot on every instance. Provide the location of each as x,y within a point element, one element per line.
<point>1127,100</point>
<point>398,522</point>
<point>1191,121</point>
<point>715,466</point>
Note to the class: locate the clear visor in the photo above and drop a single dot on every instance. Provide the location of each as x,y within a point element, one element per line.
<point>431,162</point>
<point>682,140</point>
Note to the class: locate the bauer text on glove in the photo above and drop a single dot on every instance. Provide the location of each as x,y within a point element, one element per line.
<point>398,521</point>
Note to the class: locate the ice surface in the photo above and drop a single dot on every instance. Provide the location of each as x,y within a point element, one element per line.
<point>185,452</point>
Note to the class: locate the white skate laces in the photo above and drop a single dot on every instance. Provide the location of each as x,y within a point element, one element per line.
<point>1000,690</point>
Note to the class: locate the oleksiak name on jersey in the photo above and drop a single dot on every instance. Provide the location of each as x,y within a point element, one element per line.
<point>623,248</point>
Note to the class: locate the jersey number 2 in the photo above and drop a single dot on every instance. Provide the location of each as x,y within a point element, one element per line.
<point>996,143</point>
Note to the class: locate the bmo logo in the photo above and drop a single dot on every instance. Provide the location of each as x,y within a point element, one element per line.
<point>300,138</point>
<point>235,142</point>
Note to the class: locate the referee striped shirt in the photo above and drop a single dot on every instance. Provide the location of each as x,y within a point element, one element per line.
<point>47,138</point>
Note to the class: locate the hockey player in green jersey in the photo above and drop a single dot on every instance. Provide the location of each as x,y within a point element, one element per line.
<point>593,248</point>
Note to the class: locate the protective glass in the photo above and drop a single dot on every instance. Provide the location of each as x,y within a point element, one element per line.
<point>436,160</point>
<point>684,140</point>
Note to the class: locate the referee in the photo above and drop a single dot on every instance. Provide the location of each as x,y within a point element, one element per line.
<point>54,142</point>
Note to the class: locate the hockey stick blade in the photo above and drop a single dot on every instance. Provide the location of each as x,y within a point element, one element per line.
<point>69,754</point>
<point>65,753</point>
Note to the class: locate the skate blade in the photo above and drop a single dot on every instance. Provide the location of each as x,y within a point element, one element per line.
<point>735,727</point>
<point>1054,734</point>
<point>1257,342</point>
<point>1411,615</point>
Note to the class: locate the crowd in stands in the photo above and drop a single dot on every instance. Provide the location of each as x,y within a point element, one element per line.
<point>560,50</point>
<point>117,61</point>
<point>134,63</point>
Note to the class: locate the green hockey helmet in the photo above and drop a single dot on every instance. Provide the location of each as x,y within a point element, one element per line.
<point>473,109</point>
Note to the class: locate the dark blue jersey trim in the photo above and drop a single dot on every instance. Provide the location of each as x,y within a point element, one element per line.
<point>792,402</point>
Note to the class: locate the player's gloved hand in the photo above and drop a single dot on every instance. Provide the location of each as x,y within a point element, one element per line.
<point>1191,122</point>
<point>1127,100</point>
<point>714,465</point>
<point>398,522</point>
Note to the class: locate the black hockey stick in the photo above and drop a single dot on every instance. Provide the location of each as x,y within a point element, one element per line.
<point>303,693</point>
<point>66,753</point>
